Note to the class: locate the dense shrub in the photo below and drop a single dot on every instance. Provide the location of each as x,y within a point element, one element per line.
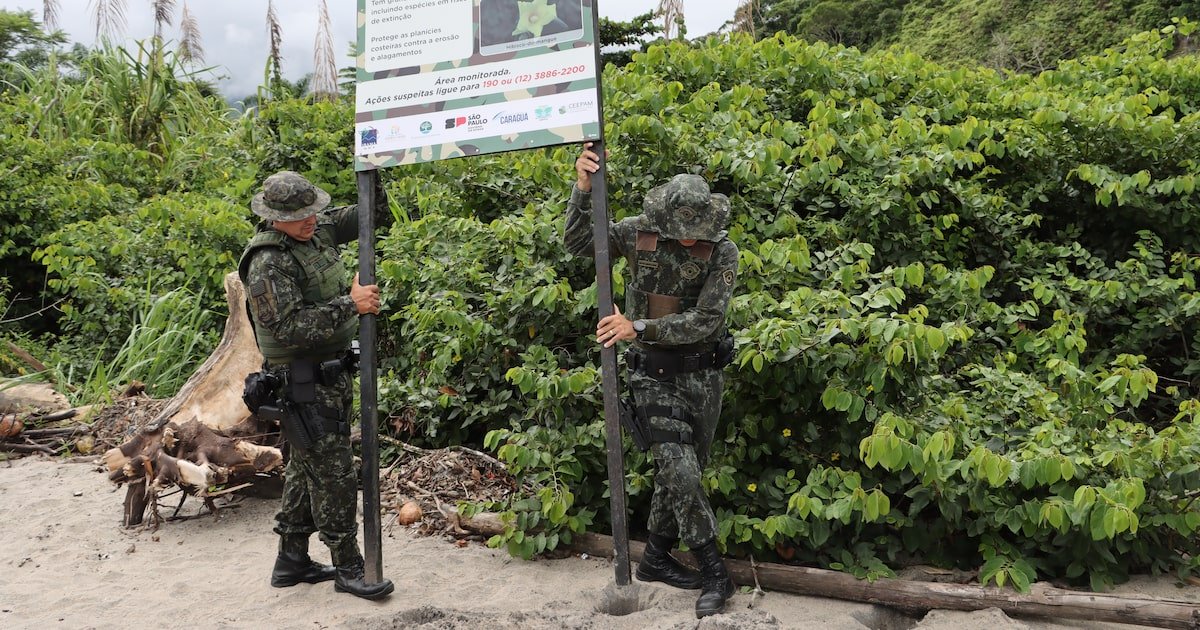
<point>966,315</point>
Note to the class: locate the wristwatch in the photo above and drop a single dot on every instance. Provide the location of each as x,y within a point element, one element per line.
<point>639,327</point>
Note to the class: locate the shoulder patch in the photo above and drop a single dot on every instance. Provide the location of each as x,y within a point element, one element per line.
<point>262,300</point>
<point>728,276</point>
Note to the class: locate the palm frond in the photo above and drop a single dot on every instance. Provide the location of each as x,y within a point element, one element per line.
<point>164,15</point>
<point>275,35</point>
<point>190,48</point>
<point>672,15</point>
<point>50,10</point>
<point>324,81</point>
<point>744,17</point>
<point>110,18</point>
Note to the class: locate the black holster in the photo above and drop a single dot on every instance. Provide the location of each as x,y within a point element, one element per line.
<point>724,352</point>
<point>297,432</point>
<point>259,390</point>
<point>304,425</point>
<point>636,421</point>
<point>637,428</point>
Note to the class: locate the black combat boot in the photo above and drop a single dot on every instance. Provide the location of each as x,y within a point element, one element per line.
<point>352,579</point>
<point>293,566</point>
<point>716,585</point>
<point>658,565</point>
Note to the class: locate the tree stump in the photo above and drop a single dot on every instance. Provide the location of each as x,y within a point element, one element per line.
<point>203,437</point>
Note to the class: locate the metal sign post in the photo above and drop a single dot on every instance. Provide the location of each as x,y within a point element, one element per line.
<point>608,356</point>
<point>368,383</point>
<point>608,374</point>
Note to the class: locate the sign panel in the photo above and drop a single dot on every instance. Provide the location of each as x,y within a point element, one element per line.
<point>440,79</point>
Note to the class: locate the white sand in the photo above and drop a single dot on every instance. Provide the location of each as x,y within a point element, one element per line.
<point>67,563</point>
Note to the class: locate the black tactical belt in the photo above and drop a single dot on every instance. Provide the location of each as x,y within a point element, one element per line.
<point>661,364</point>
<point>325,371</point>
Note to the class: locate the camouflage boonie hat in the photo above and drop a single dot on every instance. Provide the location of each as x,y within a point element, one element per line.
<point>287,196</point>
<point>683,209</point>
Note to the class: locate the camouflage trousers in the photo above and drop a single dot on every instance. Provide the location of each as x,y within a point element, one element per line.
<point>679,507</point>
<point>320,487</point>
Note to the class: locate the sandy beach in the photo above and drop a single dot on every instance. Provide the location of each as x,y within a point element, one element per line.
<point>68,563</point>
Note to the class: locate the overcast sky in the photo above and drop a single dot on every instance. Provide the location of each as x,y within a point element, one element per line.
<point>233,32</point>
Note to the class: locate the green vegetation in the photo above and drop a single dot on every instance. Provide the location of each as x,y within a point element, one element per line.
<point>1026,35</point>
<point>967,317</point>
<point>23,44</point>
<point>966,324</point>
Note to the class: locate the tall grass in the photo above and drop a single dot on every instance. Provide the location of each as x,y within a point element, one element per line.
<point>144,97</point>
<point>163,349</point>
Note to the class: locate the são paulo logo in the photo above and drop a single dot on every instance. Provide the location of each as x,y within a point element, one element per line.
<point>471,122</point>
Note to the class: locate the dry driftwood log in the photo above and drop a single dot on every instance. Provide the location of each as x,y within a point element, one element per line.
<point>203,436</point>
<point>924,596</point>
<point>213,395</point>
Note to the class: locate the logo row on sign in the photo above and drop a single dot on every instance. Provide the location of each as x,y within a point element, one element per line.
<point>396,130</point>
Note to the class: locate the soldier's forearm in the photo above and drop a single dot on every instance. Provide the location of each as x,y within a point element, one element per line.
<point>577,233</point>
<point>689,327</point>
<point>299,329</point>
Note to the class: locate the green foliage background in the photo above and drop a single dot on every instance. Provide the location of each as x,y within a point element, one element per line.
<point>1026,35</point>
<point>966,321</point>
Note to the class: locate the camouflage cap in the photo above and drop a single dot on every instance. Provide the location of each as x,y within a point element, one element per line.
<point>287,196</point>
<point>683,208</point>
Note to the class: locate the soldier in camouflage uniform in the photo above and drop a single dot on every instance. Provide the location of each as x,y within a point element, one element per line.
<point>683,271</point>
<point>304,315</point>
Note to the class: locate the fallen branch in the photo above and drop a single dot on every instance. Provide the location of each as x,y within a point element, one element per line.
<point>484,456</point>
<point>41,434</point>
<point>25,448</point>
<point>484,523</point>
<point>923,596</point>
<point>23,355</point>
<point>415,450</point>
<point>56,416</point>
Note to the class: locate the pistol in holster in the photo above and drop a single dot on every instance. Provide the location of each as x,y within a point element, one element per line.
<point>299,425</point>
<point>637,425</point>
<point>296,412</point>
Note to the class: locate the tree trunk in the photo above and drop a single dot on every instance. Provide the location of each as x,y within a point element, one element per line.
<point>193,442</point>
<point>135,504</point>
<point>213,395</point>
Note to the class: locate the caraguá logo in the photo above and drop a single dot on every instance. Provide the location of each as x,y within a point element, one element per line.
<point>508,119</point>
